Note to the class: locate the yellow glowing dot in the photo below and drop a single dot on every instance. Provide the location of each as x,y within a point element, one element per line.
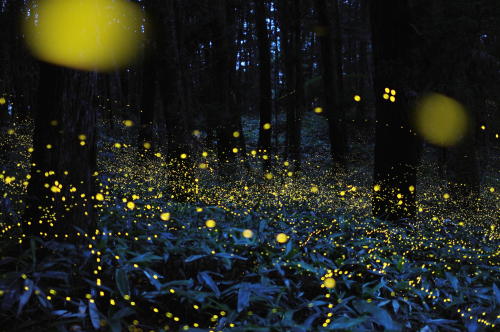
<point>82,137</point>
<point>357,98</point>
<point>99,197</point>
<point>385,96</point>
<point>387,90</point>
<point>196,132</point>
<point>266,126</point>
<point>483,127</point>
<point>314,189</point>
<point>88,35</point>
<point>376,187</point>
<point>147,145</point>
<point>2,101</point>
<point>48,146</point>
<point>411,188</point>
<point>235,150</point>
<point>165,216</point>
<point>253,152</point>
<point>492,189</point>
<point>247,233</point>
<point>446,196</point>
<point>268,176</point>
<point>210,223</point>
<point>393,92</point>
<point>393,99</point>
<point>318,110</point>
<point>282,238</point>
<point>236,134</point>
<point>441,120</point>
<point>183,156</point>
<point>203,165</point>
<point>329,283</point>
<point>130,205</point>
<point>117,145</point>
<point>128,123</point>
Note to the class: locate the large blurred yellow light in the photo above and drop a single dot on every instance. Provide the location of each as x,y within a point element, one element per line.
<point>84,34</point>
<point>441,120</point>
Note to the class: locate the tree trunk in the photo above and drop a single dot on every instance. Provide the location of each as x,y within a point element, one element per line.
<point>331,66</point>
<point>62,185</point>
<point>265,101</point>
<point>147,111</point>
<point>395,144</point>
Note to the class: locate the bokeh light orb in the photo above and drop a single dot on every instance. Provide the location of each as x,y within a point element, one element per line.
<point>329,283</point>
<point>247,233</point>
<point>282,238</point>
<point>95,35</point>
<point>441,120</point>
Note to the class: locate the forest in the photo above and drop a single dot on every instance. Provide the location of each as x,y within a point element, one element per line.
<point>259,165</point>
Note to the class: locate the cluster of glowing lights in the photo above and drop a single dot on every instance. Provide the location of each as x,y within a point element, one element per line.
<point>389,94</point>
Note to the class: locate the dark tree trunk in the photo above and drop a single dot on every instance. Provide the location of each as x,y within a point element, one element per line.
<point>147,111</point>
<point>62,185</point>
<point>294,98</point>
<point>265,100</point>
<point>331,66</point>
<point>181,182</point>
<point>395,144</point>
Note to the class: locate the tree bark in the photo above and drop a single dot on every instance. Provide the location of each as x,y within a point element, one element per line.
<point>62,185</point>
<point>265,99</point>
<point>395,143</point>
<point>331,66</point>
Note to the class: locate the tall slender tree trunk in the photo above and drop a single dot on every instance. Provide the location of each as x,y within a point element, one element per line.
<point>181,180</point>
<point>395,143</point>
<point>265,99</point>
<point>62,185</point>
<point>294,100</point>
<point>147,110</point>
<point>331,66</point>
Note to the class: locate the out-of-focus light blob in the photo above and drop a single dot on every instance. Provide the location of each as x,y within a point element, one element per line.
<point>96,35</point>
<point>441,120</point>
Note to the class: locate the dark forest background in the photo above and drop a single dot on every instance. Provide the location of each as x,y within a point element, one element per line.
<point>300,96</point>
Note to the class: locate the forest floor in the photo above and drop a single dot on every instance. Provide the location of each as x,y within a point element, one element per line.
<point>250,253</point>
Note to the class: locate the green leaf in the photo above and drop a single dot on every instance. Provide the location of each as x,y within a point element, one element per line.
<point>496,292</point>
<point>243,298</point>
<point>94,315</point>
<point>25,296</point>
<point>122,283</point>
<point>193,258</point>
<point>209,282</point>
<point>346,322</point>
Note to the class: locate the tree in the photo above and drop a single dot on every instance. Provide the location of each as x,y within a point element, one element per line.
<point>331,65</point>
<point>171,71</point>
<point>63,164</point>
<point>265,100</point>
<point>395,143</point>
<point>290,24</point>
